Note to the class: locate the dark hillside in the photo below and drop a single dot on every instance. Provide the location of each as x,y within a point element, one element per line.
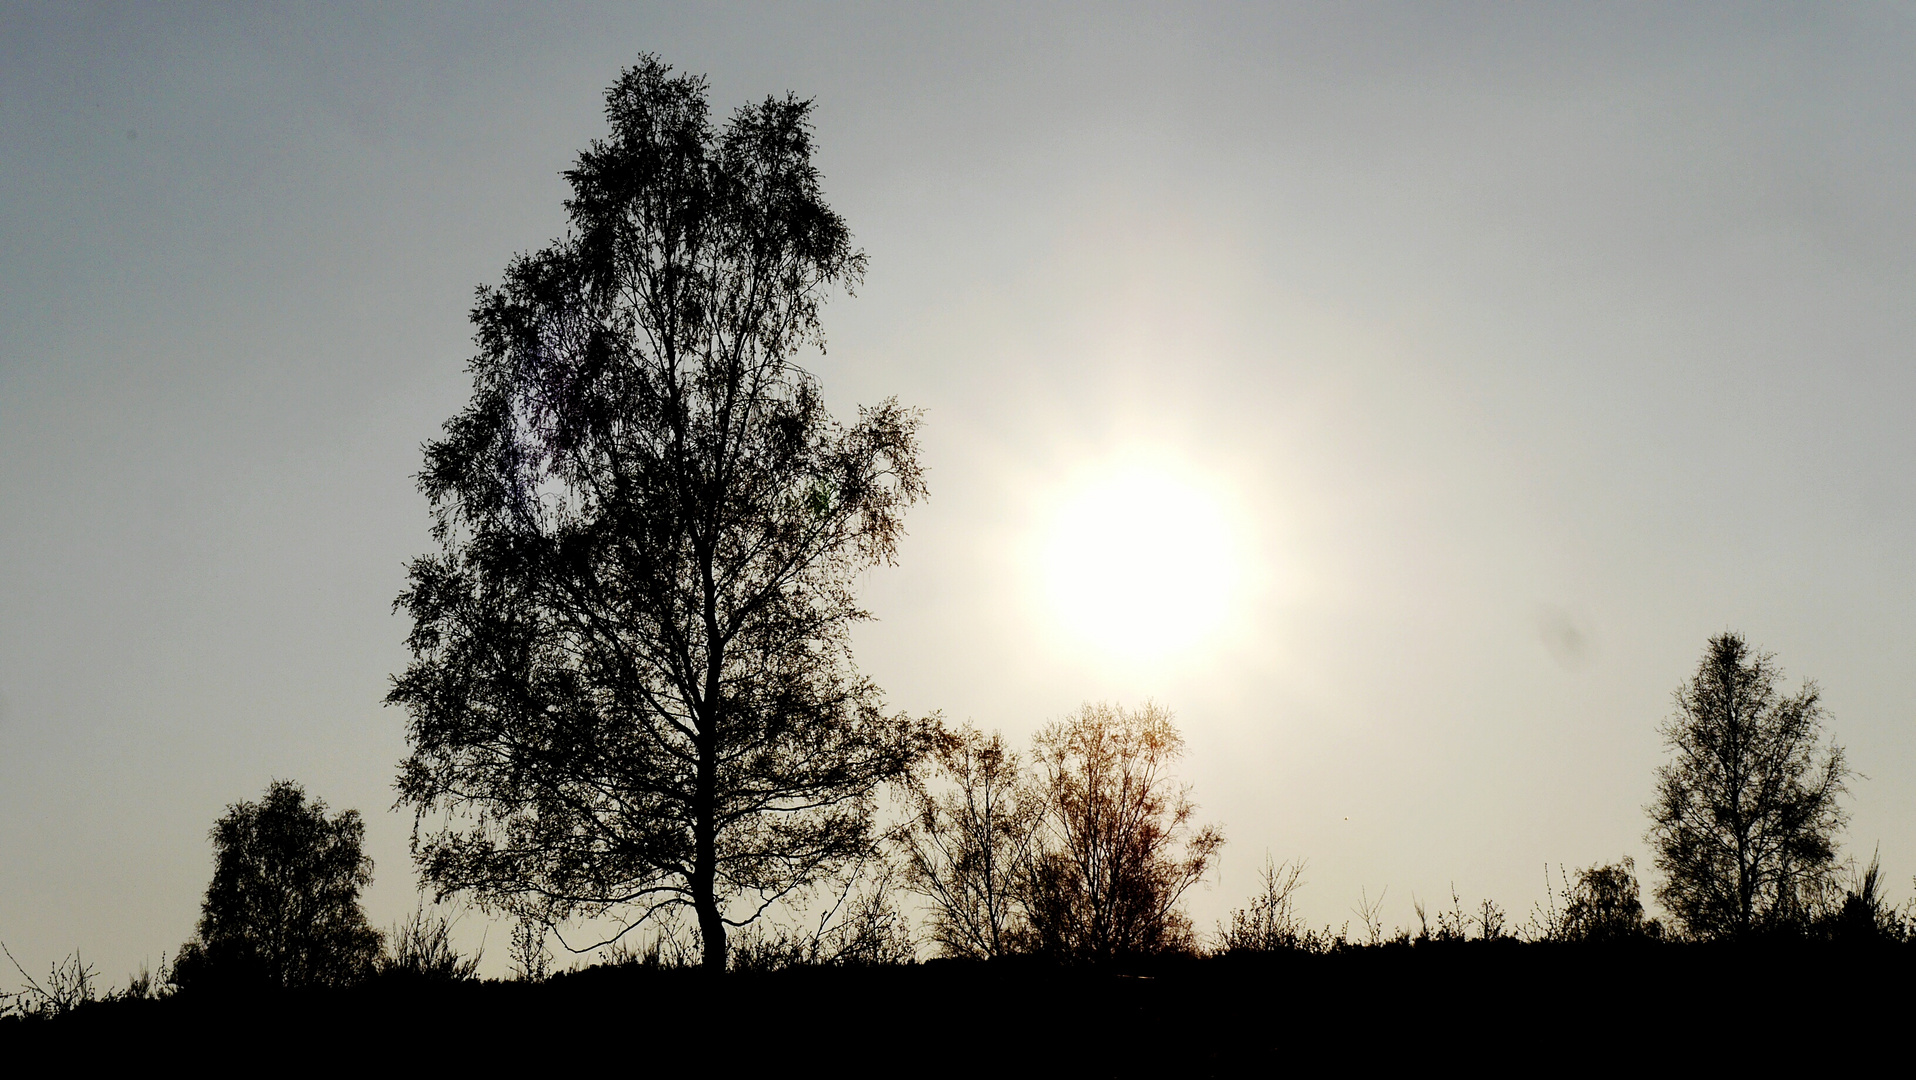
<point>1431,1005</point>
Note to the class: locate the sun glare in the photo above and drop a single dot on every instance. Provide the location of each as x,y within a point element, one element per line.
<point>1139,562</point>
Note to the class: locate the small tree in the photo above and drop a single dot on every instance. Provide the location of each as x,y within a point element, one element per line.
<point>1116,848</point>
<point>1603,904</point>
<point>283,906</point>
<point>1746,815</point>
<point>968,842</point>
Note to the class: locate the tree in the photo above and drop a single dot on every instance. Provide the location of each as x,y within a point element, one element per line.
<point>1745,819</point>
<point>283,906</point>
<point>967,845</point>
<point>632,687</point>
<point>1116,849</point>
<point>1603,905</point>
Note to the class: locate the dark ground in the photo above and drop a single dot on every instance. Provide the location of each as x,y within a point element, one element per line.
<point>1499,1005</point>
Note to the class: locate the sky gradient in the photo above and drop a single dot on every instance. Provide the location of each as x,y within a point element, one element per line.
<point>1520,349</point>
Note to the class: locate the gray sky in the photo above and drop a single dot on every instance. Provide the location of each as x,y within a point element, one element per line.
<point>1519,350</point>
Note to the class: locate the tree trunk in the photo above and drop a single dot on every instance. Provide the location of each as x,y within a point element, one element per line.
<point>705,866</point>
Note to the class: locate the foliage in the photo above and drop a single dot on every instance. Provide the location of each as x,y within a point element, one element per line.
<point>1492,923</point>
<point>1452,923</point>
<point>632,686</point>
<point>69,985</point>
<point>1369,916</point>
<point>861,927</point>
<point>283,906</point>
<point>531,952</point>
<point>1270,923</point>
<point>421,948</point>
<point>967,846</point>
<point>145,984</point>
<point>1863,915</point>
<point>1746,815</point>
<point>1116,851</point>
<point>1603,905</point>
<point>667,948</point>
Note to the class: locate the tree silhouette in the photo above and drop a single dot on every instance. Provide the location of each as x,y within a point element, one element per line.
<point>1270,923</point>
<point>1603,905</point>
<point>968,843</point>
<point>632,686</point>
<point>1116,851</point>
<point>1746,815</point>
<point>283,905</point>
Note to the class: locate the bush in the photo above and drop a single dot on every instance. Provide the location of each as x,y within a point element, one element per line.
<point>968,843</point>
<point>1270,923</point>
<point>283,906</point>
<point>68,986</point>
<point>1116,850</point>
<point>1863,915</point>
<point>862,927</point>
<point>421,948</point>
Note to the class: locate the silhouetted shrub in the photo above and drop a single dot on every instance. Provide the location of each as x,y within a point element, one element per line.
<point>1601,905</point>
<point>1116,851</point>
<point>422,948</point>
<point>1604,904</point>
<point>144,984</point>
<point>968,843</point>
<point>1863,915</point>
<point>670,946</point>
<point>1270,923</point>
<point>860,927</point>
<point>531,955</point>
<point>69,985</point>
<point>283,906</point>
<point>1746,815</point>
<point>1452,924</point>
<point>1492,923</point>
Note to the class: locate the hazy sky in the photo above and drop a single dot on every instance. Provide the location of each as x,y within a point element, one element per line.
<point>1506,354</point>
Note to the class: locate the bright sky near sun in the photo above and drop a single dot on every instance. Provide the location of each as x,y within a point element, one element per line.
<point>1402,395</point>
<point>1140,562</point>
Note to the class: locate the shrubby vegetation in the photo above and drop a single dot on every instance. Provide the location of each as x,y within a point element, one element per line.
<point>1746,814</point>
<point>283,907</point>
<point>967,842</point>
<point>1080,854</point>
<point>1084,857</point>
<point>69,983</point>
<point>421,948</point>
<point>1602,905</point>
<point>1269,923</point>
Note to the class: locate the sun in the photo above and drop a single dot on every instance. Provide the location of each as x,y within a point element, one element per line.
<point>1140,562</point>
